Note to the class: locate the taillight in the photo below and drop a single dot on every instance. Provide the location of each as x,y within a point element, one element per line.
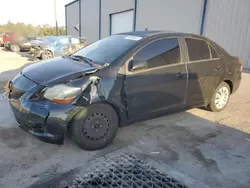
<point>241,64</point>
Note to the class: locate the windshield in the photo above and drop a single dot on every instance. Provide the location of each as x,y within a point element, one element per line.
<point>107,50</point>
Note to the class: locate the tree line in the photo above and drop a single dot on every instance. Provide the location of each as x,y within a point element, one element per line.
<point>23,29</point>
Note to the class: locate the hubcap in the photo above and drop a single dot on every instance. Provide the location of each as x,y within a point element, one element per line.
<point>96,126</point>
<point>221,98</point>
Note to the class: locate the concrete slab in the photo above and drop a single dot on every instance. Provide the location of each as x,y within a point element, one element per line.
<point>197,147</point>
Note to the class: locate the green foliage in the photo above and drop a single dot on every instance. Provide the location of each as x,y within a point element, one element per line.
<point>22,29</point>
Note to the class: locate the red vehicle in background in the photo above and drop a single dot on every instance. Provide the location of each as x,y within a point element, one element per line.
<point>6,37</point>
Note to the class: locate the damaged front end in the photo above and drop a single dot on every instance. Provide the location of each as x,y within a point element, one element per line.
<point>41,117</point>
<point>36,51</point>
<point>46,115</point>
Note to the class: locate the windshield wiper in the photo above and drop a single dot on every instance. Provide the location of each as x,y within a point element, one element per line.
<point>89,61</point>
<point>78,58</point>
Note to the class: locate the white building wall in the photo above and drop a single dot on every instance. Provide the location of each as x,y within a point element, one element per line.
<point>228,24</point>
<point>72,18</point>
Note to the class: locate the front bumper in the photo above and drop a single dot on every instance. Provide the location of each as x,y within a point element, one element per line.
<point>40,117</point>
<point>43,119</point>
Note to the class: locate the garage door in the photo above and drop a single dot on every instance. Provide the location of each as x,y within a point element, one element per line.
<point>122,22</point>
<point>228,23</point>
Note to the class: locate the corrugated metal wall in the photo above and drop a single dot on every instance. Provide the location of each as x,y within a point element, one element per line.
<point>90,19</point>
<point>228,23</point>
<point>72,18</point>
<point>171,15</point>
<point>110,7</point>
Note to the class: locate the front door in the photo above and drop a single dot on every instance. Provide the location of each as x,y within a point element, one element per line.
<point>205,71</point>
<point>159,86</point>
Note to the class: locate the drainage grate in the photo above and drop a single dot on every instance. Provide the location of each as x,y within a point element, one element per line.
<point>125,171</point>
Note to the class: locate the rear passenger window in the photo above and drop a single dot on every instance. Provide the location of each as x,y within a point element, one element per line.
<point>197,49</point>
<point>159,53</point>
<point>213,52</point>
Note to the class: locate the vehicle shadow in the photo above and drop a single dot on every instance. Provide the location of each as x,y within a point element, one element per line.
<point>28,56</point>
<point>23,53</point>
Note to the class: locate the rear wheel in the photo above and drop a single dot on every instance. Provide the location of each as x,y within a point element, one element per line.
<point>97,129</point>
<point>14,48</point>
<point>46,55</point>
<point>220,98</point>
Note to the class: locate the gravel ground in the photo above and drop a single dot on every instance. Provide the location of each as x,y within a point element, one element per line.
<point>197,147</point>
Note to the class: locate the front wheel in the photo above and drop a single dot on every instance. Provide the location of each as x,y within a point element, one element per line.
<point>97,129</point>
<point>46,55</point>
<point>220,98</point>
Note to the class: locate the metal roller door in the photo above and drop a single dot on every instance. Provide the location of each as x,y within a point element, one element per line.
<point>121,22</point>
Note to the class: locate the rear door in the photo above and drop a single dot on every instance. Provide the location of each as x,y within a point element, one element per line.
<point>205,71</point>
<point>160,86</point>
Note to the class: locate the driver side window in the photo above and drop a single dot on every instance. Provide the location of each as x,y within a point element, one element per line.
<point>159,53</point>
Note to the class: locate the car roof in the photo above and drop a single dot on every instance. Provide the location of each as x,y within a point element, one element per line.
<point>146,34</point>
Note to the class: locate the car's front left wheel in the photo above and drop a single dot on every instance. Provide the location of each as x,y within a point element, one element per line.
<point>220,98</point>
<point>95,128</point>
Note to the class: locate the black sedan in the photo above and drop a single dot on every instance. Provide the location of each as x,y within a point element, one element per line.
<point>119,80</point>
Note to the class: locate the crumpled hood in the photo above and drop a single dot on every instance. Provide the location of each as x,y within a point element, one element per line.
<point>55,71</point>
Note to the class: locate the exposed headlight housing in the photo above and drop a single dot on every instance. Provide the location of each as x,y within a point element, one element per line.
<point>62,93</point>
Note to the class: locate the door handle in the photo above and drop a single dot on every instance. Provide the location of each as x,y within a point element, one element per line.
<point>180,74</point>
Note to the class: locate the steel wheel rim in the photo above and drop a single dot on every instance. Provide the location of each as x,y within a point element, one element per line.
<point>47,55</point>
<point>96,126</point>
<point>221,97</point>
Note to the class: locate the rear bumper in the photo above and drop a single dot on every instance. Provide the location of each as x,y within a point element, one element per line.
<point>43,119</point>
<point>237,81</point>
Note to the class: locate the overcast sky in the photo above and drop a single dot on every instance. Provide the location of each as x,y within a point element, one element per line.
<point>36,12</point>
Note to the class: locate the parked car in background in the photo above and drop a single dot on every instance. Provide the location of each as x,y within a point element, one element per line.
<point>20,44</point>
<point>6,37</point>
<point>120,79</point>
<point>52,46</point>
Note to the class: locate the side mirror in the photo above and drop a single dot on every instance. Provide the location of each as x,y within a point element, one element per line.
<point>137,65</point>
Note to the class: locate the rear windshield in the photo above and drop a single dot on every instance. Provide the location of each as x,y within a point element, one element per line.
<point>108,49</point>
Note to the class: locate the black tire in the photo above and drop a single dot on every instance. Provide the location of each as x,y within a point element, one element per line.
<point>212,105</point>
<point>14,48</point>
<point>46,55</point>
<point>97,130</point>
